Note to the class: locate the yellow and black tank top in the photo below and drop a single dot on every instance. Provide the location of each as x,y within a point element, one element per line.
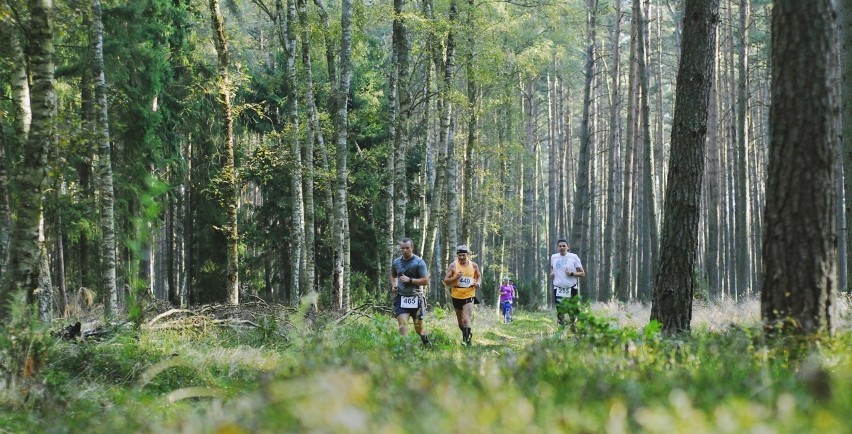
<point>464,288</point>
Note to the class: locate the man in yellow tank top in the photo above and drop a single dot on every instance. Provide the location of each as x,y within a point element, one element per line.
<point>464,276</point>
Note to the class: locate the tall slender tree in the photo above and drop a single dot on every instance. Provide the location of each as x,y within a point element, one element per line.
<point>230,191</point>
<point>580,230</point>
<point>297,219</point>
<point>342,272</point>
<point>674,283</point>
<point>105,176</point>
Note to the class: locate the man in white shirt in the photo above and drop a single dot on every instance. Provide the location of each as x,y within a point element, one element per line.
<point>565,269</point>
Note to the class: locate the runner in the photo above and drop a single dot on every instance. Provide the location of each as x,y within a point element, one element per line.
<point>565,269</point>
<point>507,294</point>
<point>465,278</point>
<point>408,275</point>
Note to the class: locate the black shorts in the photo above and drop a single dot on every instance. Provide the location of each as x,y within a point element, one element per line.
<point>415,312</point>
<point>574,292</point>
<point>458,303</point>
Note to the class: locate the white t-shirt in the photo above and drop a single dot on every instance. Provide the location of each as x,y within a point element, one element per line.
<point>560,264</point>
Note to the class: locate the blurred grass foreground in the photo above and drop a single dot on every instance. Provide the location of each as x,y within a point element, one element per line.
<point>272,369</point>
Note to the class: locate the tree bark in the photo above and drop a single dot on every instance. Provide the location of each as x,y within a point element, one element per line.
<point>846,58</point>
<point>614,168</point>
<point>801,199</point>
<point>341,251</point>
<point>314,135</point>
<point>23,272</point>
<point>580,230</point>
<point>230,190</point>
<point>675,278</point>
<point>297,219</point>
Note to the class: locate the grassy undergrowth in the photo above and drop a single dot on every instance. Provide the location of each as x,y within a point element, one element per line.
<point>358,375</point>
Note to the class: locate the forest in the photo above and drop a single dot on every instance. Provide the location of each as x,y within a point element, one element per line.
<point>201,202</point>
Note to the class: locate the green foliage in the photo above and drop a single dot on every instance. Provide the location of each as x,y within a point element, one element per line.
<point>310,372</point>
<point>24,343</point>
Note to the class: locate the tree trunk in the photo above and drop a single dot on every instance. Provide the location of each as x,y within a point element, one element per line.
<point>801,199</point>
<point>5,215</point>
<point>846,58</point>
<point>9,39</point>
<point>341,251</point>
<point>623,276</point>
<point>230,189</point>
<point>314,135</point>
<point>675,279</point>
<point>649,218</point>
<point>297,219</point>
<point>23,272</point>
<point>448,136</point>
<point>614,168</point>
<point>107,201</point>
<point>712,207</point>
<point>580,232</point>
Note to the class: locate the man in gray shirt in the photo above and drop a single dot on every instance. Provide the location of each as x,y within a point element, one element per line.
<point>408,275</point>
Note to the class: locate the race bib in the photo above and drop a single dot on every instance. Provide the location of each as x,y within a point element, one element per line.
<point>465,282</point>
<point>562,292</point>
<point>410,302</point>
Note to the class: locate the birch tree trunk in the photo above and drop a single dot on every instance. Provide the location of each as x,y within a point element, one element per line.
<point>23,272</point>
<point>675,279</point>
<point>801,199</point>
<point>297,238</point>
<point>341,250</point>
<point>112,303</point>
<point>5,215</point>
<point>448,136</point>
<point>10,40</point>
<point>314,135</point>
<point>230,191</point>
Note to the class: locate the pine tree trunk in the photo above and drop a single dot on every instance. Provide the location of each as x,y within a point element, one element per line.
<point>580,232</point>
<point>623,276</point>
<point>230,191</point>
<point>649,218</point>
<point>712,207</point>
<point>744,256</point>
<point>846,58</point>
<point>614,168</point>
<point>675,280</point>
<point>801,199</point>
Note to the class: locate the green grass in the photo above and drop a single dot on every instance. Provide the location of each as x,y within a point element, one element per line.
<point>358,375</point>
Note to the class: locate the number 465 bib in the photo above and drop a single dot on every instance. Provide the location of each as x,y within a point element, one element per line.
<point>410,302</point>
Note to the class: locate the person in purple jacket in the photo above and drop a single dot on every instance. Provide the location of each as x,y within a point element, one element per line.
<point>507,294</point>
